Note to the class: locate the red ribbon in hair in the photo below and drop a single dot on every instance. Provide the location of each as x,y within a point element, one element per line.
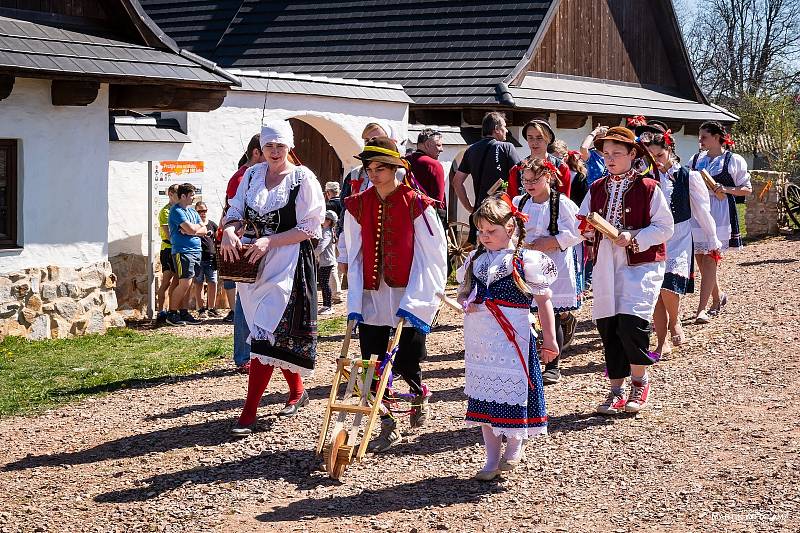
<point>549,166</point>
<point>516,213</point>
<point>638,120</point>
<point>668,138</point>
<point>727,140</point>
<point>574,153</point>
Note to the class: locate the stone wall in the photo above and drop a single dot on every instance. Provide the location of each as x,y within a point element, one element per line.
<point>131,286</point>
<point>58,302</point>
<point>762,215</point>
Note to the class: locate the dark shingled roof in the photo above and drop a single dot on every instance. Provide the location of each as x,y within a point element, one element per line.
<point>442,52</point>
<point>37,48</point>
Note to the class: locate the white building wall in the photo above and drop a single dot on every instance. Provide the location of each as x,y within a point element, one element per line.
<point>62,173</point>
<point>219,138</point>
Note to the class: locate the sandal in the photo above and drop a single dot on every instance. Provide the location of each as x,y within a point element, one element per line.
<point>702,318</point>
<point>678,339</point>
<point>715,311</point>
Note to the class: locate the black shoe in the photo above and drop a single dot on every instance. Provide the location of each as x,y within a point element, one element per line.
<point>568,325</point>
<point>174,319</point>
<point>187,317</point>
<point>551,376</point>
<point>240,432</point>
<point>291,408</point>
<point>228,317</point>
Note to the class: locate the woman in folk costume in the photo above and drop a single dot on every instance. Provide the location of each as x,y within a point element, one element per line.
<point>687,196</point>
<point>396,257</point>
<point>499,283</point>
<point>540,138</point>
<point>552,228</point>
<point>729,170</point>
<point>629,271</point>
<point>286,204</point>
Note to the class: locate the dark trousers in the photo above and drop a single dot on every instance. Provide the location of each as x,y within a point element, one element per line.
<point>324,282</point>
<point>411,352</point>
<point>626,342</point>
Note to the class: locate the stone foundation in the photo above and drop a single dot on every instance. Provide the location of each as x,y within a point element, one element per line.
<point>58,302</point>
<point>131,288</point>
<point>762,213</point>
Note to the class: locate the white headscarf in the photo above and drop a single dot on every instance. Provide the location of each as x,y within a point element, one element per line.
<point>279,131</point>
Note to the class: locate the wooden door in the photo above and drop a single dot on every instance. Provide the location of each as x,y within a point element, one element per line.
<point>315,152</point>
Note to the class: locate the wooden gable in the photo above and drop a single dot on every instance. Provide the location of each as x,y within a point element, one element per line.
<point>631,41</point>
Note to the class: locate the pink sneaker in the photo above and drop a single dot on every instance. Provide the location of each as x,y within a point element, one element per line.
<point>638,397</point>
<point>614,404</point>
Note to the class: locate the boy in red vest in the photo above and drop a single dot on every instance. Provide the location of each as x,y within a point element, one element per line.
<point>628,271</point>
<point>396,257</point>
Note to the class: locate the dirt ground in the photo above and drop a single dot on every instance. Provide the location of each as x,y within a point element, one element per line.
<point>716,451</point>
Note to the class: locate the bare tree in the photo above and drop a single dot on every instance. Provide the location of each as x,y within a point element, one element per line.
<point>745,47</point>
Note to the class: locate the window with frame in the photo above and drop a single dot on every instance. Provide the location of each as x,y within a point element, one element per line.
<point>8,193</point>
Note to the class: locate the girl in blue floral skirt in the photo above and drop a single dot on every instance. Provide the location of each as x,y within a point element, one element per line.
<point>503,378</point>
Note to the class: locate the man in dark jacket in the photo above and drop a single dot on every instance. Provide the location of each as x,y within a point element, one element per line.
<point>487,161</point>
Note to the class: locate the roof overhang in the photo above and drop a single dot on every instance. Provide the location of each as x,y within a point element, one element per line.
<point>145,129</point>
<point>288,83</point>
<point>28,49</point>
<point>598,97</point>
<point>456,135</point>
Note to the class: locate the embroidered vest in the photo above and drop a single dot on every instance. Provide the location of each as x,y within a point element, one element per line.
<point>635,215</point>
<point>277,221</point>
<point>387,233</point>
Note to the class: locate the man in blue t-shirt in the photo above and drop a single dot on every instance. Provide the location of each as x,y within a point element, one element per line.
<point>595,165</point>
<point>185,228</point>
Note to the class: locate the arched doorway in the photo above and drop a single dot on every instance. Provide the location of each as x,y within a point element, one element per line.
<point>316,152</point>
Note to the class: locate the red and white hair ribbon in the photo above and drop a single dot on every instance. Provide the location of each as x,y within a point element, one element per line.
<point>727,140</point>
<point>668,138</point>
<point>516,213</point>
<point>638,120</point>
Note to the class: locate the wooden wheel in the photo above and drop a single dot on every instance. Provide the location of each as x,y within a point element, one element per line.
<point>791,201</point>
<point>457,246</point>
<point>332,457</point>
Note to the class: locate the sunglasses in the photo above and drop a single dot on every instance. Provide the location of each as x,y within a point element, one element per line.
<point>202,210</point>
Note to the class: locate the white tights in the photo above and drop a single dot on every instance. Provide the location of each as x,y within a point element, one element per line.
<point>493,445</point>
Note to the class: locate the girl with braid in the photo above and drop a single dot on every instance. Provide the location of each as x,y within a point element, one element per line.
<point>730,172</point>
<point>503,378</point>
<point>552,228</point>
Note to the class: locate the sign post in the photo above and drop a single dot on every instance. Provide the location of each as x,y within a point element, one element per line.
<point>151,279</point>
<point>162,174</point>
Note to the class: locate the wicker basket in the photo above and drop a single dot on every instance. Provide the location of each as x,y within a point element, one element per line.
<point>240,270</point>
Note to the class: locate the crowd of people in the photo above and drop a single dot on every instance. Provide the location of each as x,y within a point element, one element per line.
<point>537,254</point>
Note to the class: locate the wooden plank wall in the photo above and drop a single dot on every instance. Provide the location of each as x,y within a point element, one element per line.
<point>606,39</point>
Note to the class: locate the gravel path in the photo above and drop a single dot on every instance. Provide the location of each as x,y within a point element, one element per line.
<point>716,451</point>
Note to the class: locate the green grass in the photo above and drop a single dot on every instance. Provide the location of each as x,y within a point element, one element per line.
<point>742,226</point>
<point>329,327</point>
<point>35,375</point>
